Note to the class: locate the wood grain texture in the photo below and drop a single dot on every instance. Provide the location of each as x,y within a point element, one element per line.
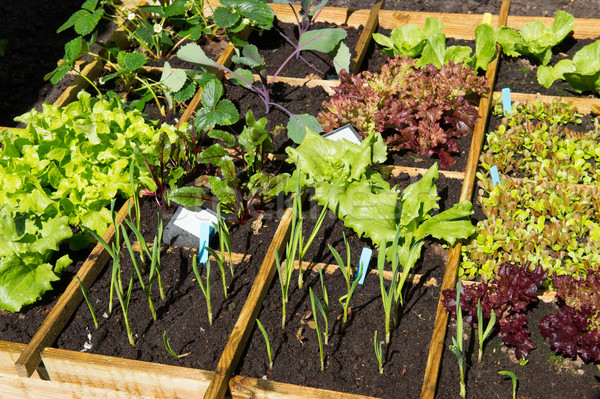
<point>254,388</point>
<point>243,327</point>
<point>68,302</point>
<point>123,375</point>
<point>334,15</point>
<point>584,105</point>
<point>436,346</point>
<point>365,37</point>
<point>396,170</point>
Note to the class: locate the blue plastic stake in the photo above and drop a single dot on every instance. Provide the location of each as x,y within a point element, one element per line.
<point>506,104</point>
<point>206,232</point>
<point>363,265</point>
<point>495,175</point>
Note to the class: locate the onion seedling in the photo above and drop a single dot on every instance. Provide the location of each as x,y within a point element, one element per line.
<point>481,334</point>
<point>225,246</point>
<point>386,295</point>
<point>87,300</point>
<point>146,288</point>
<point>168,347</point>
<point>457,342</point>
<point>347,273</point>
<point>324,309</point>
<point>513,377</point>
<point>267,342</point>
<point>314,300</point>
<point>205,287</point>
<point>378,352</point>
<point>302,248</point>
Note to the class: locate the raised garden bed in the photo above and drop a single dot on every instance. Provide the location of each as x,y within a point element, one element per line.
<point>63,366</point>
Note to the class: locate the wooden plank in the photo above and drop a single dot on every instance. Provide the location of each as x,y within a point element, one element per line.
<point>334,15</point>
<point>9,353</point>
<point>256,388</point>
<point>396,170</point>
<point>365,37</point>
<point>129,376</point>
<point>243,327</point>
<point>436,346</point>
<point>31,388</point>
<point>584,105</point>
<point>330,268</point>
<point>68,301</point>
<point>462,26</point>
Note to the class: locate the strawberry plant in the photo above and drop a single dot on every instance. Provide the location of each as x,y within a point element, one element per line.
<point>417,109</point>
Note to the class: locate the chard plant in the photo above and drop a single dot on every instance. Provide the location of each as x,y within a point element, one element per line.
<point>323,40</point>
<point>346,270</point>
<point>267,342</point>
<point>535,39</point>
<point>428,45</point>
<point>457,342</point>
<point>247,179</point>
<point>314,300</point>
<point>63,174</point>
<point>204,286</point>
<point>416,109</point>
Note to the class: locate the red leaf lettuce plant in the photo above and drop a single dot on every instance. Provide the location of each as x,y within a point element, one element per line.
<point>575,329</point>
<point>417,109</point>
<point>510,295</point>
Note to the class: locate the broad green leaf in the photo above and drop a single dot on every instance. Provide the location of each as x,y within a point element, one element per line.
<point>87,23</point>
<point>297,125</point>
<point>510,40</point>
<point>450,225</point>
<point>131,61</point>
<point>457,54</point>
<point>242,77</point>
<point>324,40</point>
<point>434,51</point>
<point>224,18</point>
<point>73,49</point>
<point>211,93</point>
<point>485,45</point>
<point>173,79</point>
<point>250,57</point>
<point>189,196</point>
<point>193,53</point>
<point>23,283</point>
<point>72,19</point>
<point>225,137</point>
<point>341,58</point>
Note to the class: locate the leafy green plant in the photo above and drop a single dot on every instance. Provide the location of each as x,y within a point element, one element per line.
<point>204,286</point>
<point>314,300</point>
<point>250,58</point>
<point>267,342</point>
<point>168,348</point>
<point>378,351</point>
<point>457,342</point>
<point>582,72</point>
<point>62,170</point>
<point>239,190</point>
<point>513,378</point>
<point>347,273</point>
<point>535,39</point>
<point>428,46</point>
<point>416,109</point>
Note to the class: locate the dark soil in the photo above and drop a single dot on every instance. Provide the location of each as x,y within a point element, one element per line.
<point>350,359</point>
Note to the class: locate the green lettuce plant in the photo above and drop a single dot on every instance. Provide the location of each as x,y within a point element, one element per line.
<point>582,72</point>
<point>61,171</point>
<point>536,39</point>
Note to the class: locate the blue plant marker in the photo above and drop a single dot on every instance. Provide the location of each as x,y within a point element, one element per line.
<point>363,265</point>
<point>506,104</point>
<point>495,175</point>
<point>206,232</point>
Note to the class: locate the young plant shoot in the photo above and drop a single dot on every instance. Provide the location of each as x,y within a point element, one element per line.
<point>387,296</point>
<point>204,286</point>
<point>314,300</point>
<point>89,303</point>
<point>303,248</point>
<point>347,273</point>
<point>457,342</point>
<point>378,351</point>
<point>171,351</point>
<point>267,342</point>
<point>324,309</point>
<point>481,334</point>
<point>513,378</point>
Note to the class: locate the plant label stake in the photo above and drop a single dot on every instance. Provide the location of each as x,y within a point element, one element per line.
<point>347,132</point>
<point>495,175</point>
<point>506,104</point>
<point>363,265</point>
<point>188,226</point>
